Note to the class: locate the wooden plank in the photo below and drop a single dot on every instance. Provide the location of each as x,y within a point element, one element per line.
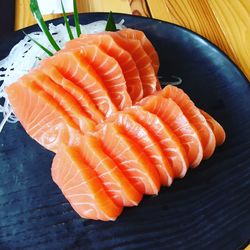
<point>208,19</point>
<point>24,18</point>
<point>246,5</point>
<point>121,6</point>
<point>234,19</point>
<point>194,15</point>
<point>159,10</point>
<point>139,8</point>
<point>248,247</point>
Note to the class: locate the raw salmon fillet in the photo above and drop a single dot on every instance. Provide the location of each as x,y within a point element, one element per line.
<point>171,114</point>
<point>218,130</point>
<point>67,102</point>
<point>146,142</point>
<point>117,185</point>
<point>168,141</point>
<point>110,72</point>
<point>74,68</point>
<point>41,116</point>
<point>142,61</point>
<point>77,92</point>
<point>133,162</point>
<point>106,43</point>
<point>194,116</point>
<point>146,44</point>
<point>82,187</point>
<point>78,104</point>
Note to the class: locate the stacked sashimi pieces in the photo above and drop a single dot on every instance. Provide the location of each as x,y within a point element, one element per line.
<point>98,105</point>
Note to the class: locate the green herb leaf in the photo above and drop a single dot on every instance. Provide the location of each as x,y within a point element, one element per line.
<point>110,26</point>
<point>67,22</point>
<point>76,19</point>
<point>40,45</point>
<point>38,16</point>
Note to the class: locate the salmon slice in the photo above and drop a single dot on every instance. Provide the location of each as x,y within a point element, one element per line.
<point>82,187</point>
<point>107,44</point>
<point>75,91</point>
<point>171,114</point>
<point>168,141</point>
<point>146,142</point>
<point>142,61</point>
<point>65,100</point>
<point>146,44</point>
<point>41,116</point>
<point>118,187</point>
<point>133,162</point>
<point>147,47</point>
<point>218,130</point>
<point>74,68</point>
<point>110,72</point>
<point>194,116</point>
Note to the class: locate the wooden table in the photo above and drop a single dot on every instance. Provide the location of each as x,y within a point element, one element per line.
<point>224,22</point>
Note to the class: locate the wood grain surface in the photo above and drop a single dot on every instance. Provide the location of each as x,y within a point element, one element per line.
<point>24,17</point>
<point>225,23</point>
<point>237,34</point>
<point>121,6</point>
<point>139,7</point>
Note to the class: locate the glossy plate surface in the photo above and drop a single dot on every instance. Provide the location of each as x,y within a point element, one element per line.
<point>208,209</point>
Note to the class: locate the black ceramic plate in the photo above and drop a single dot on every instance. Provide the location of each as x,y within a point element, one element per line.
<point>208,209</point>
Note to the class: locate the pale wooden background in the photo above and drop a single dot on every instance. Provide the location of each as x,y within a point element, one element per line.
<point>224,22</point>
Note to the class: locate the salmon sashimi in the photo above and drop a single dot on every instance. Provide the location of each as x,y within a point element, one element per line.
<point>41,116</point>
<point>171,114</point>
<point>218,130</point>
<point>142,61</point>
<point>168,141</point>
<point>86,103</point>
<point>73,67</point>
<point>82,187</point>
<point>194,116</point>
<point>146,44</point>
<point>117,185</point>
<point>110,72</point>
<point>133,162</point>
<point>146,142</point>
<point>106,43</point>
<point>67,102</point>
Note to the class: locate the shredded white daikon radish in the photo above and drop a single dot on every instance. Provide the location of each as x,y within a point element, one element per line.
<point>26,55</point>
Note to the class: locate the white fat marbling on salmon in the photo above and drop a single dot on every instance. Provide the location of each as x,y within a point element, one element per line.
<point>110,74</point>
<point>79,186</point>
<point>194,117</point>
<point>172,115</point>
<point>107,170</point>
<point>120,148</point>
<point>146,142</point>
<point>85,102</point>
<point>141,59</point>
<point>107,44</point>
<point>171,146</point>
<point>146,44</point>
<point>73,65</point>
